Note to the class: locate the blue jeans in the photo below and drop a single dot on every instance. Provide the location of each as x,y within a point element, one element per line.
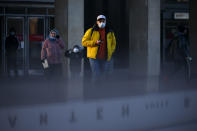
<point>100,67</point>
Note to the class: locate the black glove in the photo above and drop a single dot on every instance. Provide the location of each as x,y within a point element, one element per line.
<point>68,53</point>
<point>42,61</point>
<point>57,36</point>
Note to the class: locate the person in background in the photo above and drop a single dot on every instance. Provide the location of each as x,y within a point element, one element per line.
<point>75,55</point>
<point>100,41</point>
<point>183,37</point>
<point>11,46</point>
<point>52,52</point>
<point>179,47</point>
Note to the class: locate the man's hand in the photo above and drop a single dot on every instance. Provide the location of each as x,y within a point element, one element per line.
<point>99,42</point>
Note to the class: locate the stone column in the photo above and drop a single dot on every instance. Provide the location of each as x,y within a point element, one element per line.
<point>69,20</point>
<point>61,19</point>
<point>75,22</point>
<point>153,69</point>
<point>138,36</point>
<point>144,40</point>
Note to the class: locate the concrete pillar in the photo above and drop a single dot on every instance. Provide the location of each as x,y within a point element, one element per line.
<point>193,34</point>
<point>138,36</point>
<point>69,20</point>
<point>75,22</point>
<point>154,37</point>
<point>144,39</point>
<point>153,69</point>
<point>61,19</point>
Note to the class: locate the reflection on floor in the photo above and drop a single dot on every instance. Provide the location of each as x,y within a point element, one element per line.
<point>153,111</point>
<point>119,103</point>
<point>37,90</point>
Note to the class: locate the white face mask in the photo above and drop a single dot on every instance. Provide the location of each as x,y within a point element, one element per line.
<point>52,38</point>
<point>101,25</point>
<point>75,50</point>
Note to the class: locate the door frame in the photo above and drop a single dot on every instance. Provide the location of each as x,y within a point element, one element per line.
<point>2,44</point>
<point>6,33</point>
<point>26,20</point>
<point>28,70</point>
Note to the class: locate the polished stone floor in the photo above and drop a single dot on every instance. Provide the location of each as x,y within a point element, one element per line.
<point>122,102</point>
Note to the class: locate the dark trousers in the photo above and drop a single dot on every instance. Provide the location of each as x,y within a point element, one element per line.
<point>54,72</point>
<point>100,69</point>
<point>11,63</point>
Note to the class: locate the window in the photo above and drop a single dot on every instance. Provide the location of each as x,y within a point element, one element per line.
<point>9,10</point>
<point>51,11</point>
<point>37,11</point>
<point>1,10</point>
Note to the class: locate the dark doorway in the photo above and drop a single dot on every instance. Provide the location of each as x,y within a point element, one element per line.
<point>1,45</point>
<point>174,14</point>
<point>117,15</point>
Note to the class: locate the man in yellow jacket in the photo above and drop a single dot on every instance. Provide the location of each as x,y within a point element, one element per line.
<point>101,43</point>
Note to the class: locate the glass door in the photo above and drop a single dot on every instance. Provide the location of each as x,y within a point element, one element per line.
<point>17,23</point>
<point>36,39</point>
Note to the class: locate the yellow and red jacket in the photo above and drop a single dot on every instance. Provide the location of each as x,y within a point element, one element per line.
<point>89,41</point>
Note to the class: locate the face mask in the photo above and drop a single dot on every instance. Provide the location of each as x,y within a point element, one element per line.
<point>101,25</point>
<point>75,50</point>
<point>12,33</point>
<point>52,38</point>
